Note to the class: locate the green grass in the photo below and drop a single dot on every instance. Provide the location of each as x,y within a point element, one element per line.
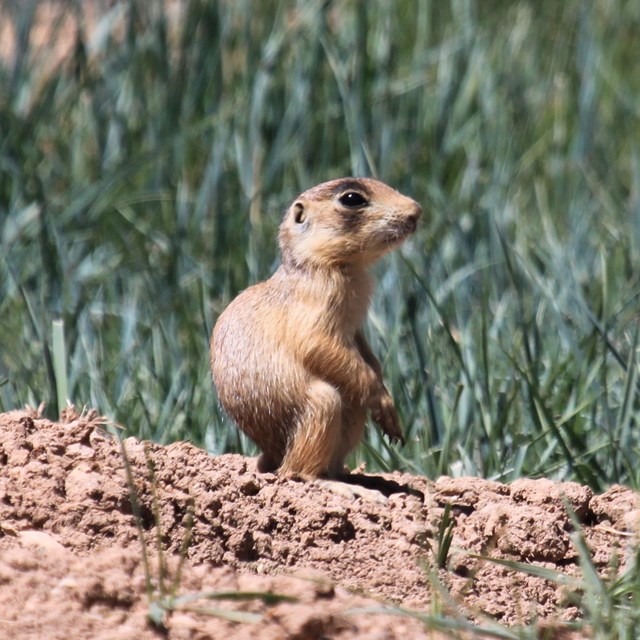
<point>143,178</point>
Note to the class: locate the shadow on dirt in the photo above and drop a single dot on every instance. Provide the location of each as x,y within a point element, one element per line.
<point>383,485</point>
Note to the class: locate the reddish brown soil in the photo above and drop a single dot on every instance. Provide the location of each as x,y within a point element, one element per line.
<point>71,564</point>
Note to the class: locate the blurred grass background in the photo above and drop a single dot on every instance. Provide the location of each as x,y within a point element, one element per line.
<point>148,150</point>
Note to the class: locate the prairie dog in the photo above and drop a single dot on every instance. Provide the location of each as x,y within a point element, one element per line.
<point>288,355</point>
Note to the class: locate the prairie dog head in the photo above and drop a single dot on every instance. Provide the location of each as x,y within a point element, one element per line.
<point>346,221</point>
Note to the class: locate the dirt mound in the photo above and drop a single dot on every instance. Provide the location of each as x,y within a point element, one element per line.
<point>71,563</point>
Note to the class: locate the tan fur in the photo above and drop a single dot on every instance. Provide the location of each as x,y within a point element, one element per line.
<point>289,359</point>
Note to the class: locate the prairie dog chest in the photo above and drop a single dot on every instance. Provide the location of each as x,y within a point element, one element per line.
<point>345,303</point>
<point>358,289</point>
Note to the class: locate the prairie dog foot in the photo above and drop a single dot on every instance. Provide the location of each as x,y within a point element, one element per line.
<point>265,464</point>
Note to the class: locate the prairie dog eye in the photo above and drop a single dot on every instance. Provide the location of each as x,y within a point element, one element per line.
<point>352,200</point>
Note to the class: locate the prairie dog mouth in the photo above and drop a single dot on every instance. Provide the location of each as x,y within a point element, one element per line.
<point>399,232</point>
<point>405,227</point>
<point>411,224</point>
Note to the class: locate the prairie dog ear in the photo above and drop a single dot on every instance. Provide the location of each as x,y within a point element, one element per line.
<point>298,212</point>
